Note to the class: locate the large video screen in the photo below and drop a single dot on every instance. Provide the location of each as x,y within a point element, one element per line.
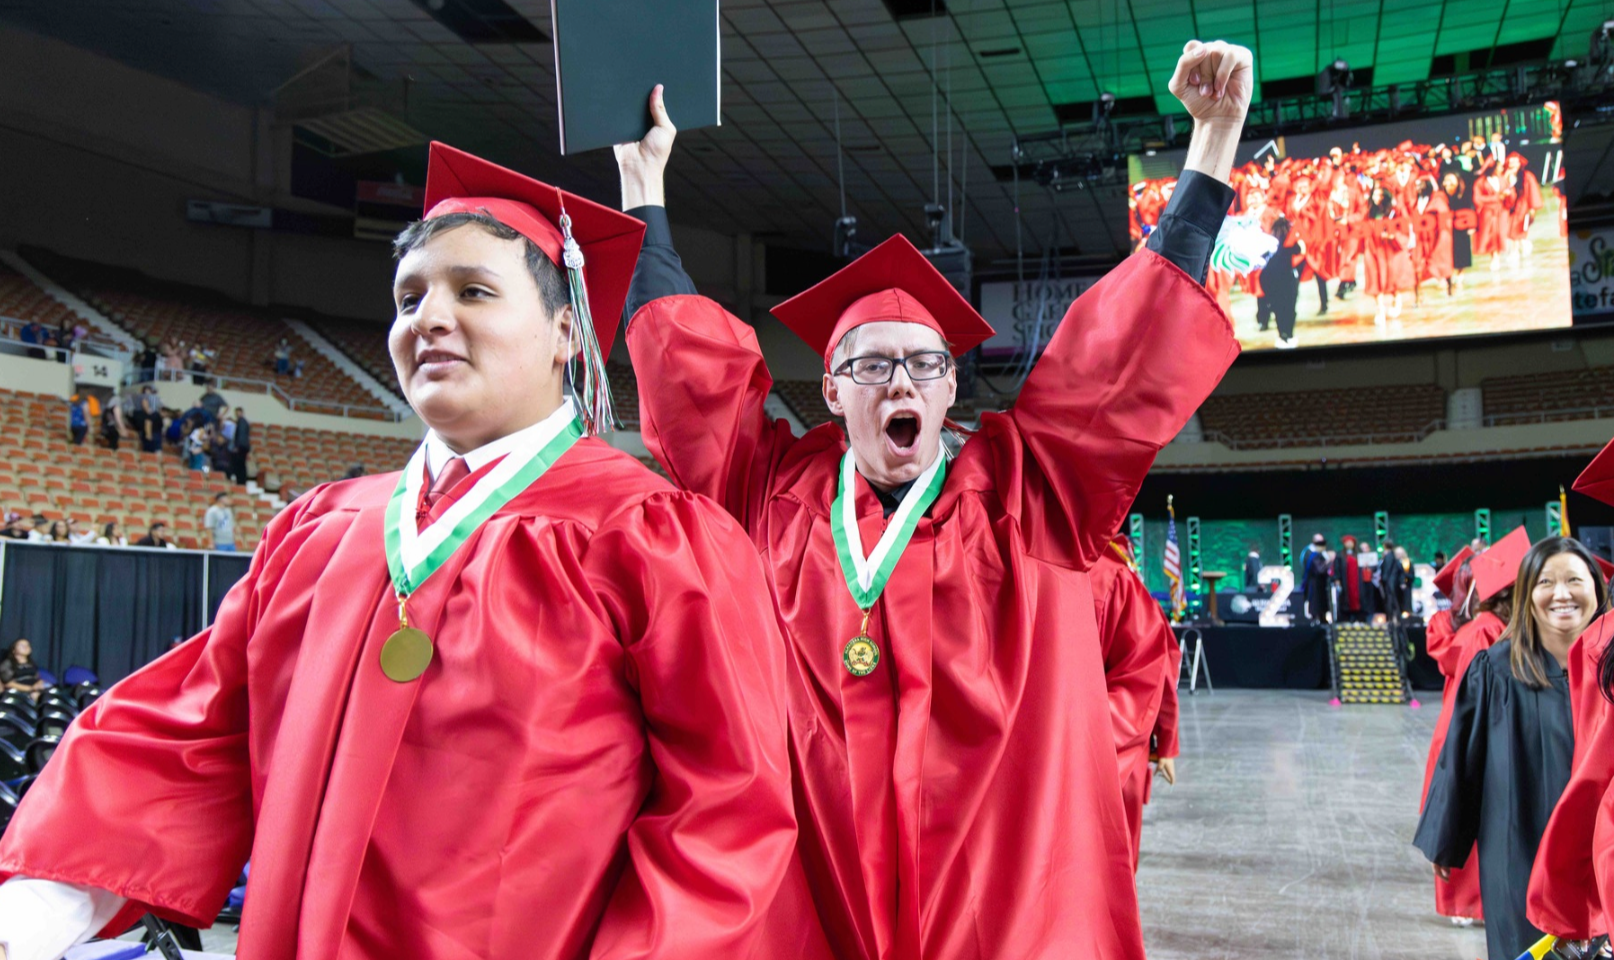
<point>1439,227</point>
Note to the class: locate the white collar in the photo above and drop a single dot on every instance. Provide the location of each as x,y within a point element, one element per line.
<point>438,453</point>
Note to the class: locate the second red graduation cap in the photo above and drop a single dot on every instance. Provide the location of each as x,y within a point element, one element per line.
<point>1597,480</point>
<point>892,282</point>
<point>1495,569</point>
<point>1448,573</point>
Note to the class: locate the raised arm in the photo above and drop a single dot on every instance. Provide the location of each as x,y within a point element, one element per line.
<point>1137,353</point>
<point>702,379</point>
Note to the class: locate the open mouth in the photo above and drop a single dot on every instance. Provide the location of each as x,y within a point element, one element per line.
<point>902,433</point>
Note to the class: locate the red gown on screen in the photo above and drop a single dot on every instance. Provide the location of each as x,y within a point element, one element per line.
<point>1459,897</point>
<point>1434,252</point>
<point>1492,199</point>
<point>963,801</point>
<point>1140,650</point>
<point>593,764</point>
<point>1573,879</point>
<point>1526,201</point>
<point>1387,254</point>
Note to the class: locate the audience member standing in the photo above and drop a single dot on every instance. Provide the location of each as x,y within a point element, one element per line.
<point>220,523</point>
<point>150,426</point>
<point>196,448</point>
<point>240,446</point>
<point>78,419</point>
<point>111,428</point>
<point>283,357</point>
<point>212,402</point>
<point>1507,752</point>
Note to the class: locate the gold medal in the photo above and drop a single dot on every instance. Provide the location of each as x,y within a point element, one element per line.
<point>861,654</point>
<point>408,652</point>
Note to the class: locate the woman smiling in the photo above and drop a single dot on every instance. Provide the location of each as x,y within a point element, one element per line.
<point>1507,753</point>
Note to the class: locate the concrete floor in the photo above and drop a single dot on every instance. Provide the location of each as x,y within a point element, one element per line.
<point>1286,836</point>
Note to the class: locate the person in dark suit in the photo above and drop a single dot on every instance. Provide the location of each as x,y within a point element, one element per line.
<point>1395,583</point>
<point>1252,571</point>
<point>1319,563</point>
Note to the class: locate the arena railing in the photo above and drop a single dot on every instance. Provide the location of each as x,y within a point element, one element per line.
<point>1548,416</point>
<point>251,385</point>
<point>1316,440</point>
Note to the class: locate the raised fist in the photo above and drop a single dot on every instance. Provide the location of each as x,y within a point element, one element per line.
<point>1214,81</point>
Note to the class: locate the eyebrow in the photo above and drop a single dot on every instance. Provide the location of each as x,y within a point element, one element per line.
<point>457,272</point>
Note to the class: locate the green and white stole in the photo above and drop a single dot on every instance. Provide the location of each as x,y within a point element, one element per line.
<point>866,577</point>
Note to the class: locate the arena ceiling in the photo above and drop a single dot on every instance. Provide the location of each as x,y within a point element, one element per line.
<point>1011,67</point>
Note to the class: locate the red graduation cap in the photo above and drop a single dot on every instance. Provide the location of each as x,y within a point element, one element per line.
<point>458,182</point>
<point>1443,579</point>
<point>893,282</point>
<point>1597,480</point>
<point>1606,568</point>
<point>1497,568</point>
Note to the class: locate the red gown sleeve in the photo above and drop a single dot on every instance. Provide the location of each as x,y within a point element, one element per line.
<point>1438,640</point>
<point>1131,625</point>
<point>709,849</point>
<point>702,385</point>
<point>150,795</point>
<point>1165,722</point>
<point>1130,362</point>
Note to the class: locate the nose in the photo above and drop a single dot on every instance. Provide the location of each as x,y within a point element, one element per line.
<point>434,314</point>
<point>1560,591</point>
<point>901,384</point>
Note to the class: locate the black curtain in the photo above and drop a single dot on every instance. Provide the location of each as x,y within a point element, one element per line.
<point>224,570</point>
<point>110,610</point>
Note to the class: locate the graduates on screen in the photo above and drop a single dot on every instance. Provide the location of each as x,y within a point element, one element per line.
<point>524,699</point>
<point>955,764</point>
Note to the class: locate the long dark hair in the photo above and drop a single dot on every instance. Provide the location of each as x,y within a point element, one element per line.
<point>1525,657</point>
<point>11,651</point>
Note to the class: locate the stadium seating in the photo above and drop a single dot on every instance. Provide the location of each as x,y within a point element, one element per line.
<point>364,342</point>
<point>41,472</point>
<point>1536,397</point>
<point>805,398</point>
<point>1390,414</point>
<point>21,299</point>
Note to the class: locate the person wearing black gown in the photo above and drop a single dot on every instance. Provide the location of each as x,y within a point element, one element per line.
<point>1507,753</point>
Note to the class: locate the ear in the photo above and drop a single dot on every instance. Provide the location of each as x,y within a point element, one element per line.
<point>832,396</point>
<point>560,323</point>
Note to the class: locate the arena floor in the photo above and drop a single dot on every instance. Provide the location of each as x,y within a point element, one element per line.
<point>1286,836</point>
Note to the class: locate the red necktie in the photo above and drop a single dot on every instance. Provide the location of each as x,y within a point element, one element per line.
<point>453,472</point>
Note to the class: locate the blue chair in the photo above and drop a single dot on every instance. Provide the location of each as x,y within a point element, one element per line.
<point>73,676</point>
<point>47,676</point>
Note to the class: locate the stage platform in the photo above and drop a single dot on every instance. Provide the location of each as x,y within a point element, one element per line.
<point>1241,656</point>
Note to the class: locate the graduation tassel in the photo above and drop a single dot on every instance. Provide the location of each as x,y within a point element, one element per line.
<point>594,392</point>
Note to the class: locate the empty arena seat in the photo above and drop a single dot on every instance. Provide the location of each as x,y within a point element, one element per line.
<point>1538,397</point>
<point>1401,413</point>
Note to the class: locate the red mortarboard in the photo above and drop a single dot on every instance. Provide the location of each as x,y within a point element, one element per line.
<point>457,182</point>
<point>1495,569</point>
<point>1606,568</point>
<point>1597,480</point>
<point>893,281</point>
<point>1443,579</point>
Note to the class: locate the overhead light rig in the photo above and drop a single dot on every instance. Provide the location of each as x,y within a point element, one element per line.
<point>1087,155</point>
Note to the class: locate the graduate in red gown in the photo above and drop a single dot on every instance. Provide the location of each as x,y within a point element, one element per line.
<point>1434,228</point>
<point>1493,197</point>
<point>1141,663</point>
<point>958,788</point>
<point>523,700</point>
<point>1572,885</point>
<point>1526,201</point>
<point>1387,254</point>
<point>1481,607</point>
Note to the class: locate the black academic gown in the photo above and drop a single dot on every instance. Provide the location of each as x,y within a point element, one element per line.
<point>1317,606</point>
<point>1500,773</point>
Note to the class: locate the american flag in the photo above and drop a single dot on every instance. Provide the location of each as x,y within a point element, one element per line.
<point>1173,565</point>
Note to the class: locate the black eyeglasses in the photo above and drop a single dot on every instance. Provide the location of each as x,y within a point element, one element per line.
<point>876,371</point>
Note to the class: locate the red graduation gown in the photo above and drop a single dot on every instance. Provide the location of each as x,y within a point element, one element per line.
<point>1573,879</point>
<point>593,765</point>
<point>1459,897</point>
<point>1138,647</point>
<point>962,801</point>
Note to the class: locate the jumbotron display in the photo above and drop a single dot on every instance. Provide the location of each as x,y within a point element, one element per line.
<point>1443,227</point>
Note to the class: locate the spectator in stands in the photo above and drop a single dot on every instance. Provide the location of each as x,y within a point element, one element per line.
<point>214,403</point>
<point>200,359</point>
<point>14,529</point>
<point>173,359</point>
<point>240,446</point>
<point>149,361</point>
<point>112,536</point>
<point>18,671</point>
<point>196,448</point>
<point>41,531</point>
<point>219,520</point>
<point>156,536</point>
<point>77,534</point>
<point>58,532</point>
<point>34,332</point>
<point>283,357</point>
<point>354,472</point>
<point>79,333</point>
<point>218,450</point>
<point>112,426</point>
<point>149,420</point>
<point>78,419</point>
